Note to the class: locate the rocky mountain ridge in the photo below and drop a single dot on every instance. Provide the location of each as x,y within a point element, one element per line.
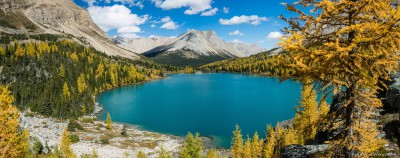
<point>141,45</point>
<point>56,17</point>
<point>193,48</point>
<point>246,48</point>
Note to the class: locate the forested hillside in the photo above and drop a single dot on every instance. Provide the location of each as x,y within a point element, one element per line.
<point>60,78</point>
<point>263,63</point>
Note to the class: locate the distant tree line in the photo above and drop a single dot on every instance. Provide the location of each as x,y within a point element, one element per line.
<point>261,63</point>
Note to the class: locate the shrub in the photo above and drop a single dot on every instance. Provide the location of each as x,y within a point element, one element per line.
<point>123,132</point>
<point>29,114</point>
<point>104,140</point>
<point>74,138</point>
<point>37,147</point>
<point>72,125</point>
<point>87,120</point>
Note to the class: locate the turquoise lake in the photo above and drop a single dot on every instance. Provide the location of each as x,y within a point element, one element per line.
<point>211,104</point>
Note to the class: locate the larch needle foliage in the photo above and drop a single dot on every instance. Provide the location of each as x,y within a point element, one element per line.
<point>13,142</point>
<point>351,44</point>
<point>66,145</point>
<point>308,115</point>
<point>192,147</point>
<point>108,122</point>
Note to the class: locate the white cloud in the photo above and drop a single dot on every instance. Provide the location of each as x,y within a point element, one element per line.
<point>137,3</point>
<point>236,41</point>
<point>129,35</point>
<point>195,6</point>
<point>225,10</point>
<point>210,12</point>
<point>166,19</point>
<point>168,23</point>
<point>253,19</point>
<point>169,26</point>
<point>274,35</point>
<point>157,3</point>
<point>277,23</point>
<point>90,2</point>
<point>116,17</point>
<point>236,33</point>
<point>129,29</point>
<point>153,26</point>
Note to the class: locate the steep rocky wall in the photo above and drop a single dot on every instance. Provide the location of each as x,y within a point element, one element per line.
<point>12,5</point>
<point>56,17</point>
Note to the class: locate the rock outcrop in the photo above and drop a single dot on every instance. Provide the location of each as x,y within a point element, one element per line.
<point>57,17</point>
<point>306,151</point>
<point>391,97</point>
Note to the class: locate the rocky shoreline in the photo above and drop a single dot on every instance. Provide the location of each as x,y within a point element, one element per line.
<point>94,136</point>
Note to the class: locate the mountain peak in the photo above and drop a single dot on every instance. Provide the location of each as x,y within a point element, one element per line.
<point>207,33</point>
<point>247,48</point>
<point>195,44</point>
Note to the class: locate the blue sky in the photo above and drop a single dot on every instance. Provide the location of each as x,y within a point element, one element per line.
<point>249,21</point>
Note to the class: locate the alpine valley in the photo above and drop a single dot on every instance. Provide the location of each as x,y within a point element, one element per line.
<point>153,79</point>
<point>193,48</point>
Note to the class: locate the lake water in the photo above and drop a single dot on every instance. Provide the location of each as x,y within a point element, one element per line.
<point>211,104</point>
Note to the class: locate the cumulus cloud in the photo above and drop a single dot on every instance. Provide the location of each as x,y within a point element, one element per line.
<point>138,3</point>
<point>166,19</point>
<point>236,33</point>
<point>153,26</point>
<point>168,23</point>
<point>116,17</point>
<point>90,2</point>
<point>210,12</point>
<point>236,20</point>
<point>169,26</point>
<point>194,6</point>
<point>129,35</point>
<point>225,10</point>
<point>236,41</point>
<point>274,35</point>
<point>129,29</point>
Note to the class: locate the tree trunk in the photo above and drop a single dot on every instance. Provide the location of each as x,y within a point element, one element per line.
<point>349,122</point>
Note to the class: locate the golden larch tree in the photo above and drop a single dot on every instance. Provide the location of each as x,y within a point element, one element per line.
<point>350,44</point>
<point>141,154</point>
<point>62,71</point>
<point>2,51</point>
<point>270,143</point>
<point>30,49</point>
<point>108,122</point>
<point>162,153</point>
<point>307,115</point>
<point>65,145</point>
<point>289,137</point>
<point>256,143</point>
<point>13,142</point>
<point>19,52</point>
<point>247,148</point>
<point>82,85</point>
<point>237,143</point>
<point>212,153</point>
<point>66,92</point>
<point>191,147</point>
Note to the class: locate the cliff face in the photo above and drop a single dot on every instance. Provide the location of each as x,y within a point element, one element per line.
<point>56,17</point>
